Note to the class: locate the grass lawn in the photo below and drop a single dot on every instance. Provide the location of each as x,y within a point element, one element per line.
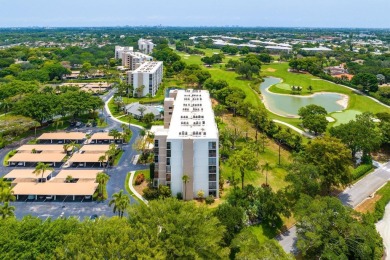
<point>276,175</point>
<point>283,86</point>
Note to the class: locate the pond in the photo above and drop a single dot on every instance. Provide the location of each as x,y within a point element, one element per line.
<point>288,105</point>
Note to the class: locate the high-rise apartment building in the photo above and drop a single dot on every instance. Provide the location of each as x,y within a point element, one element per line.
<point>187,145</point>
<point>146,79</point>
<point>145,46</point>
<point>119,50</point>
<point>133,60</point>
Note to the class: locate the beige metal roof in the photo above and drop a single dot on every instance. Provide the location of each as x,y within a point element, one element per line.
<point>37,157</point>
<point>62,136</point>
<point>101,136</point>
<point>99,148</point>
<point>55,188</point>
<point>78,174</point>
<point>42,147</point>
<point>85,157</point>
<point>25,174</point>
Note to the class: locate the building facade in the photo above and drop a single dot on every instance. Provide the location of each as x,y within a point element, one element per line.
<point>145,46</point>
<point>119,50</point>
<point>133,60</point>
<point>146,79</point>
<point>187,145</point>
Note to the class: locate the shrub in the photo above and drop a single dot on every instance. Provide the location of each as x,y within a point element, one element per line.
<point>150,193</point>
<point>360,171</point>
<point>139,179</point>
<point>179,196</point>
<point>200,195</point>
<point>210,199</point>
<point>382,202</point>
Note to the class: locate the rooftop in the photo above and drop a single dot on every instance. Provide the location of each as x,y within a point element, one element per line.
<point>193,116</point>
<point>78,174</point>
<point>42,147</point>
<point>95,148</point>
<point>25,174</point>
<point>62,136</point>
<point>101,136</point>
<point>37,157</point>
<point>85,157</point>
<point>148,67</point>
<point>55,188</point>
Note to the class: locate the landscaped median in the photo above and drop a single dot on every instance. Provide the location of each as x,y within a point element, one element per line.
<point>129,185</point>
<point>8,156</point>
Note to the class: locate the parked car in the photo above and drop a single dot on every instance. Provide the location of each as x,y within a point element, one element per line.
<point>87,197</point>
<point>93,217</point>
<point>31,197</point>
<point>49,197</point>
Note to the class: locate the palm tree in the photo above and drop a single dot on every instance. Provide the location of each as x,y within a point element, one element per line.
<point>102,159</point>
<point>141,110</point>
<point>58,123</point>
<point>129,117</point>
<point>66,147</point>
<point>266,167</point>
<point>114,133</point>
<point>120,201</point>
<point>7,211</point>
<point>41,168</point>
<point>6,194</point>
<point>185,180</point>
<point>102,178</point>
<point>74,146</point>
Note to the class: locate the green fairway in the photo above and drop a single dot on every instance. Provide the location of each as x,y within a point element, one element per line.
<point>345,117</point>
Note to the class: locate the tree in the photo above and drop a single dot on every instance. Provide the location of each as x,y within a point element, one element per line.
<point>141,110</point>
<point>7,211</point>
<point>102,178</point>
<point>102,159</point>
<point>120,201</point>
<point>185,178</point>
<point>41,168</point>
<point>232,218</point>
<point>310,88</point>
<point>247,246</point>
<point>243,160</point>
<point>311,110</point>
<point>328,230</point>
<point>332,159</point>
<point>367,80</point>
<point>315,123</point>
<point>148,119</point>
<point>115,133</point>
<point>360,134</point>
<point>178,229</point>
<point>265,168</point>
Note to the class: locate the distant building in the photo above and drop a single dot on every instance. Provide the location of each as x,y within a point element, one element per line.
<point>145,46</point>
<point>149,75</point>
<point>133,60</point>
<point>119,50</point>
<point>278,49</point>
<point>317,49</point>
<point>187,144</point>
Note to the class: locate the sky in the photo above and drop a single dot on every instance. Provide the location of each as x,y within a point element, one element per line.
<point>262,13</point>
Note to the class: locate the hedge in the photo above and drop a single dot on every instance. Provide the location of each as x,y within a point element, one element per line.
<point>361,170</point>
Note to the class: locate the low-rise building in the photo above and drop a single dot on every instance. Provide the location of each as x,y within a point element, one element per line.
<point>186,147</point>
<point>138,110</point>
<point>146,79</point>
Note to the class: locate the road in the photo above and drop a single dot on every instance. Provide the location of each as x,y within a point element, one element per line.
<point>351,196</point>
<point>81,210</point>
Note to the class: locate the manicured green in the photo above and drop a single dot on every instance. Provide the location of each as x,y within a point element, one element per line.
<point>345,117</point>
<point>283,86</point>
